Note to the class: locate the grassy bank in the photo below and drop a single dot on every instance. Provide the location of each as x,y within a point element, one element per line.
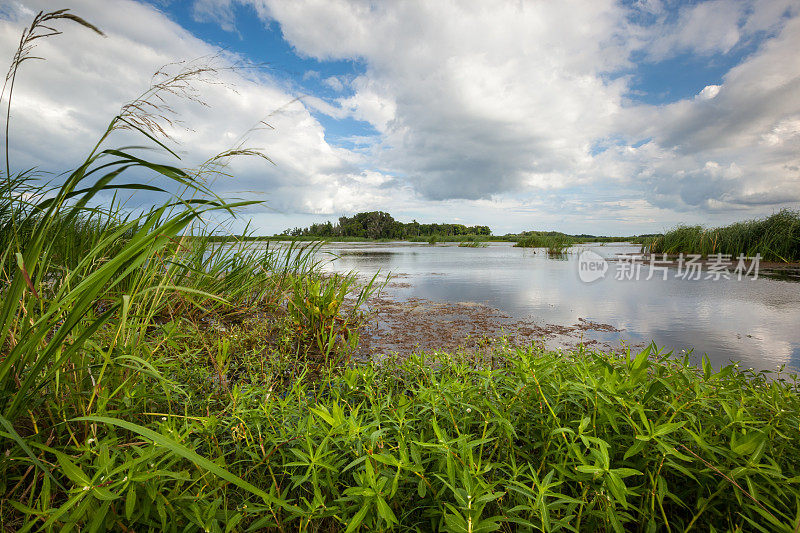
<point>776,238</point>
<point>221,429</point>
<point>556,243</point>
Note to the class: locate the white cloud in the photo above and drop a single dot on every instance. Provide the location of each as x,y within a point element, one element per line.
<point>750,123</point>
<point>476,99</point>
<point>709,92</point>
<point>473,98</point>
<point>219,11</point>
<point>705,28</point>
<point>61,106</point>
<point>508,113</point>
<point>334,83</point>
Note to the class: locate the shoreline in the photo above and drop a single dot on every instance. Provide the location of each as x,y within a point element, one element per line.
<point>406,326</point>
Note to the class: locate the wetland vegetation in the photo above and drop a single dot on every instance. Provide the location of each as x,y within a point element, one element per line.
<point>775,238</point>
<point>154,382</point>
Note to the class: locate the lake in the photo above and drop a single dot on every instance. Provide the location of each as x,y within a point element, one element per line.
<point>452,290</point>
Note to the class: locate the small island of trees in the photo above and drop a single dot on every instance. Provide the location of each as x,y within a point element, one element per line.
<point>381,225</point>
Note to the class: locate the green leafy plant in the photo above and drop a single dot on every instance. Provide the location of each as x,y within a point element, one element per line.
<point>775,238</point>
<point>315,306</point>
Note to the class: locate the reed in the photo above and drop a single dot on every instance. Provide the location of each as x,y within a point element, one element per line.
<point>554,245</point>
<point>85,294</point>
<point>775,238</point>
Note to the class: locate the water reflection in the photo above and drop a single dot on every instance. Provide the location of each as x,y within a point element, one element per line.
<point>751,321</point>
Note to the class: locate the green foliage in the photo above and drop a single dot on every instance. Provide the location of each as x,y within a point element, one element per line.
<point>776,238</point>
<point>315,308</point>
<point>554,244</point>
<point>83,294</point>
<point>543,239</point>
<point>537,440</point>
<point>379,225</point>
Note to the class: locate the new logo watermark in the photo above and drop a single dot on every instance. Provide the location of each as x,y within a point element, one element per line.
<point>592,266</point>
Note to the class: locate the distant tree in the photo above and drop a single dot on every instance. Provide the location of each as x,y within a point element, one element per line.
<point>381,225</point>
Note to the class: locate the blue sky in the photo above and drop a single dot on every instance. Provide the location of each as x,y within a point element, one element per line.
<point>587,117</point>
<point>261,42</point>
<point>653,81</point>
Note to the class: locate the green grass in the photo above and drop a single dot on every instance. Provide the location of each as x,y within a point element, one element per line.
<point>85,292</point>
<point>516,439</point>
<point>555,245</point>
<point>151,381</point>
<point>776,238</point>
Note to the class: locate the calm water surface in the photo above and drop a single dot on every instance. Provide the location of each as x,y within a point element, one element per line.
<point>756,322</point>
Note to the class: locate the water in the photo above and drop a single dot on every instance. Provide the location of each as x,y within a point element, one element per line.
<point>755,322</point>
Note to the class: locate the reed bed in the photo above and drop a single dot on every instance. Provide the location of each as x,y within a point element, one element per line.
<point>775,238</point>
<point>88,297</point>
<point>555,245</point>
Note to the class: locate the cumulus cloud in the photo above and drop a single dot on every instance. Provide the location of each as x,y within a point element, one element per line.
<point>705,28</point>
<point>708,92</point>
<point>747,125</point>
<point>476,99</point>
<point>488,108</point>
<point>473,99</point>
<point>61,106</point>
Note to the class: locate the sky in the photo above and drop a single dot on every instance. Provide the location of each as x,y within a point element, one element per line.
<point>593,116</point>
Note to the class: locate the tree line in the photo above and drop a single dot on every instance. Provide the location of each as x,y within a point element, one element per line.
<point>381,225</point>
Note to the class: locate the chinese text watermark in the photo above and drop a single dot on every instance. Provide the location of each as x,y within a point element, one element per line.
<point>592,266</point>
